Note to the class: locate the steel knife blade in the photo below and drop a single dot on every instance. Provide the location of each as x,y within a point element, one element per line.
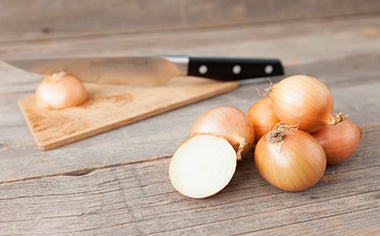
<point>156,70</point>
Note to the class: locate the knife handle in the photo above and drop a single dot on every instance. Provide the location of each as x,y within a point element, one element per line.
<point>233,69</point>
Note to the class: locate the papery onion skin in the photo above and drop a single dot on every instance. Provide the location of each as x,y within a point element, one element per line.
<point>339,141</point>
<point>60,90</point>
<point>262,117</point>
<point>303,101</point>
<point>230,123</point>
<point>296,163</point>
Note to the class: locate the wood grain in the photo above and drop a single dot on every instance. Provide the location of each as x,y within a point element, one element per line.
<point>112,106</point>
<point>116,183</point>
<point>296,43</point>
<point>348,67</point>
<point>43,19</point>
<point>138,199</point>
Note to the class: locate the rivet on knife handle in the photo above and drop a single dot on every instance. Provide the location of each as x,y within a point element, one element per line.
<point>232,69</point>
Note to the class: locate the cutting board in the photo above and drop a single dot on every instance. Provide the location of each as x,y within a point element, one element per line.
<point>112,106</point>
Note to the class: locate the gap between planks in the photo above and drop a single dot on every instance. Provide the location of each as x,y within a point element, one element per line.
<point>264,23</point>
<point>85,171</point>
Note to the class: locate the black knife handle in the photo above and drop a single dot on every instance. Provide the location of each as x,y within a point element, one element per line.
<point>232,69</point>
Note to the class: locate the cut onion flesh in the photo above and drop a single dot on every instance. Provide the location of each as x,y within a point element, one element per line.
<point>202,166</point>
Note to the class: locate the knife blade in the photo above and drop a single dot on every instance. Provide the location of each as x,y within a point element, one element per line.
<point>157,70</point>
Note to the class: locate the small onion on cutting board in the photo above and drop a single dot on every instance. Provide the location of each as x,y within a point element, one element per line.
<point>60,90</point>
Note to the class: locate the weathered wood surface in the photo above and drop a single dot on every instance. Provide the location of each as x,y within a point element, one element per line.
<point>345,56</point>
<point>117,183</point>
<point>138,199</point>
<point>44,19</point>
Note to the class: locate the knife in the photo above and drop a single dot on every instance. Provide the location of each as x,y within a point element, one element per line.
<point>157,70</point>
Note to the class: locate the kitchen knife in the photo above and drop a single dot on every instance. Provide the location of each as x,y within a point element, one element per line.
<point>157,70</point>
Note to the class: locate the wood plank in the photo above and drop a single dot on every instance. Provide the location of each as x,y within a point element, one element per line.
<point>345,55</point>
<point>117,183</point>
<point>293,42</point>
<point>139,199</point>
<point>157,137</point>
<point>42,19</point>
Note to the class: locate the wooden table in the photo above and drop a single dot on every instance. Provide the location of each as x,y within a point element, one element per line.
<point>116,183</point>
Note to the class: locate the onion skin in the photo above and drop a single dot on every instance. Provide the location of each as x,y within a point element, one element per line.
<point>262,117</point>
<point>230,123</point>
<point>303,101</point>
<point>290,160</point>
<point>339,141</point>
<point>60,90</point>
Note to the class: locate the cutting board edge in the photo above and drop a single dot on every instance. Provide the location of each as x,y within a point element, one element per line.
<point>44,146</point>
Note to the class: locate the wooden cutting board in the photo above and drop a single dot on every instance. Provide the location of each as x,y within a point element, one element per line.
<point>112,106</point>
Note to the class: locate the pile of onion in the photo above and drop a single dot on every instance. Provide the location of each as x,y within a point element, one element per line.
<point>60,90</point>
<point>205,163</point>
<point>295,132</point>
<point>293,154</point>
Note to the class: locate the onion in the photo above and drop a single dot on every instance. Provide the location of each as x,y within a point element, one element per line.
<point>303,101</point>
<point>262,117</point>
<point>339,141</point>
<point>205,163</point>
<point>290,159</point>
<point>230,123</point>
<point>202,166</point>
<point>60,90</point>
